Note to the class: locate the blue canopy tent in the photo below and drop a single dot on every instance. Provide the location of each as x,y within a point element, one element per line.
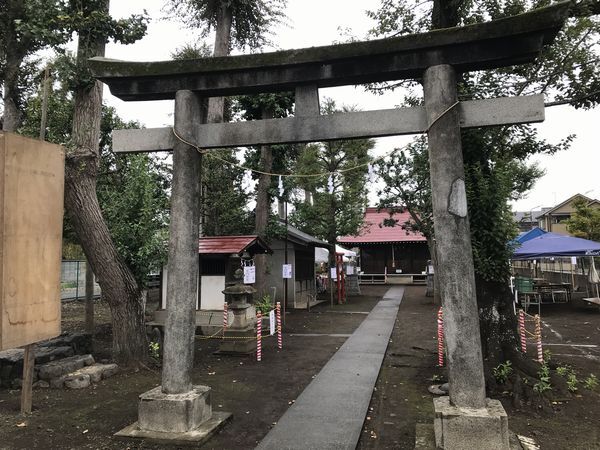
<point>549,245</point>
<point>528,235</point>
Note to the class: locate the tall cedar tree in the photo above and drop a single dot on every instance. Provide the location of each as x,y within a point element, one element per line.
<point>266,158</point>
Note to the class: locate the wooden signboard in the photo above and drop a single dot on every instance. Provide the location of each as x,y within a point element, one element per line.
<point>31,215</point>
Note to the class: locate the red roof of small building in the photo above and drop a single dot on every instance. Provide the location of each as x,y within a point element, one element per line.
<point>374,231</point>
<point>221,245</point>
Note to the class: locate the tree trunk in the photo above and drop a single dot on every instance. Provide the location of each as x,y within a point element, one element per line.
<point>263,207</point>
<point>12,115</point>
<point>216,105</point>
<point>498,322</point>
<point>118,285</point>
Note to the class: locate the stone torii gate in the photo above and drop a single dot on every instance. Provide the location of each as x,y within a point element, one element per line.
<point>464,420</point>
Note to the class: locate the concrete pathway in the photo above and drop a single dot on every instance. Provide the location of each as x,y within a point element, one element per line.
<point>330,412</point>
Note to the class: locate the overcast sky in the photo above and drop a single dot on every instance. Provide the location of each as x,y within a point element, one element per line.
<point>312,23</point>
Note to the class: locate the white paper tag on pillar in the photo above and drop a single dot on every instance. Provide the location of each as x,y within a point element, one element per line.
<point>287,271</point>
<point>272,322</point>
<point>574,260</point>
<point>350,270</point>
<point>249,274</point>
<point>333,273</point>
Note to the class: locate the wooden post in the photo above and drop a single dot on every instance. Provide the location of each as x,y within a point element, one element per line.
<point>27,387</point>
<point>453,240</point>
<point>89,298</point>
<point>182,272</point>
<point>45,93</point>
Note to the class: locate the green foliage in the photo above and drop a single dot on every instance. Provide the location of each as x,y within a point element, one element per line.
<point>405,175</point>
<point>563,371</point>
<point>502,371</point>
<point>585,221</point>
<point>27,26</point>
<point>339,213</point>
<point>591,382</point>
<point>132,189</point>
<point>572,382</point>
<point>543,384</point>
<point>250,19</point>
<point>154,349</point>
<point>224,196</point>
<point>264,305</point>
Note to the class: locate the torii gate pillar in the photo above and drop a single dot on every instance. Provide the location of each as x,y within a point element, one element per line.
<point>465,419</point>
<point>178,411</point>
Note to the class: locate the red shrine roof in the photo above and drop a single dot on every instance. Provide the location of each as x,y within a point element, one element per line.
<point>374,232</point>
<point>222,245</point>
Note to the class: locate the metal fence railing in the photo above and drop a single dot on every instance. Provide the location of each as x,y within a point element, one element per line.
<point>72,280</point>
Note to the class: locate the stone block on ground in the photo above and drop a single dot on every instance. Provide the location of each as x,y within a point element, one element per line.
<point>109,370</point>
<point>44,355</point>
<point>64,366</point>
<point>77,381</point>
<point>41,384</point>
<point>80,343</point>
<point>458,428</point>
<point>174,413</point>
<point>97,372</point>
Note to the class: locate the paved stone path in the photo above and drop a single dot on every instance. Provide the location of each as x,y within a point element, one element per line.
<point>330,412</point>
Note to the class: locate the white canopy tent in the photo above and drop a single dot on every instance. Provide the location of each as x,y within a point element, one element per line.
<point>322,254</point>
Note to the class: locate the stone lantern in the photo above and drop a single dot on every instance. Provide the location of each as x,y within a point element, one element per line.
<point>239,335</point>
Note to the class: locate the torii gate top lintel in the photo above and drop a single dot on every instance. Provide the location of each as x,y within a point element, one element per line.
<point>509,41</point>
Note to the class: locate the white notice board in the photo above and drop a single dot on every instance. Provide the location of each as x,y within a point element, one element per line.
<point>287,271</point>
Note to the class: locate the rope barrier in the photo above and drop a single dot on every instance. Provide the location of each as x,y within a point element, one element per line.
<point>522,331</point>
<point>258,336</point>
<point>440,337</point>
<point>308,175</point>
<point>538,332</point>
<point>279,336</point>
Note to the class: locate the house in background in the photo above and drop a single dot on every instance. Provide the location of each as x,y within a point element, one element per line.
<point>528,220</point>
<point>389,254</point>
<point>554,219</point>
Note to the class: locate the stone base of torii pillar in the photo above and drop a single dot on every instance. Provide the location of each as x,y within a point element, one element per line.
<point>176,418</point>
<point>462,428</point>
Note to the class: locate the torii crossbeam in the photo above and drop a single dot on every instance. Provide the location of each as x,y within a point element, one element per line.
<point>435,58</point>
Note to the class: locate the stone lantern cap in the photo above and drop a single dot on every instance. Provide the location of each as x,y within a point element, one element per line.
<point>239,289</point>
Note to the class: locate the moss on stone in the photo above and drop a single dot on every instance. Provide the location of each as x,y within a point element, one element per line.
<point>549,18</point>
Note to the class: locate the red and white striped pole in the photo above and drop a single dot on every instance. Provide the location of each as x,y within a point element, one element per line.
<point>440,336</point>
<point>538,335</point>
<point>258,336</point>
<point>522,331</point>
<point>225,316</point>
<point>279,337</point>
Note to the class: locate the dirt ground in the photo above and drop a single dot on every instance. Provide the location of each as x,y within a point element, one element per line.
<point>259,393</point>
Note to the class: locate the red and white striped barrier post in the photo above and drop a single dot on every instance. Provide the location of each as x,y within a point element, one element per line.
<point>538,335</point>
<point>279,337</point>
<point>258,336</point>
<point>225,316</point>
<point>440,335</point>
<point>522,331</point>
